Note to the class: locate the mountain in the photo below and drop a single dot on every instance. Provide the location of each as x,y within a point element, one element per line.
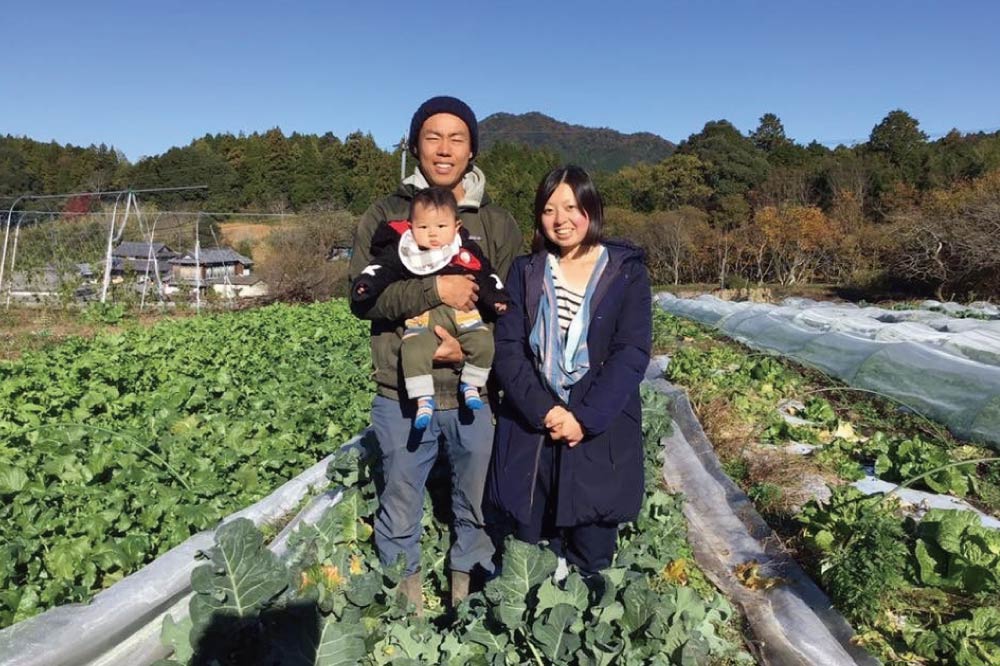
<point>598,149</point>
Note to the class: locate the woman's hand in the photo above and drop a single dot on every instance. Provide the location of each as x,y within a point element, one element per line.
<point>555,416</point>
<point>562,425</point>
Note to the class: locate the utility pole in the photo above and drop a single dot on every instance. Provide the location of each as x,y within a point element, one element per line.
<point>402,167</point>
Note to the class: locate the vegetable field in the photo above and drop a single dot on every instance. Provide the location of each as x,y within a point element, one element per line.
<point>921,587</point>
<point>329,601</point>
<point>116,448</point>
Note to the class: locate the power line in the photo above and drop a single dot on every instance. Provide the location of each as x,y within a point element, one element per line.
<point>107,192</point>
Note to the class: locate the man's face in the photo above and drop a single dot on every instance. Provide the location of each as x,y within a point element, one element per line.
<point>433,227</point>
<point>444,149</point>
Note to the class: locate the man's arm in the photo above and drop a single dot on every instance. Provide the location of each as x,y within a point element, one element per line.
<point>510,244</point>
<point>402,299</point>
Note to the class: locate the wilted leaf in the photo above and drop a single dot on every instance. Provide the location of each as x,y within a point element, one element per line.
<point>748,574</point>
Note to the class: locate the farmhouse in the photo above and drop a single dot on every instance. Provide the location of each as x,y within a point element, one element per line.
<point>141,259</point>
<point>213,265</point>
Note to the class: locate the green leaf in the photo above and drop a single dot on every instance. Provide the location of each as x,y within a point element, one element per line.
<point>340,644</point>
<point>242,579</point>
<point>477,633</point>
<point>555,638</point>
<point>612,613</point>
<point>12,480</point>
<point>66,558</point>
<point>573,591</point>
<point>640,606</point>
<point>177,635</point>
<point>524,568</point>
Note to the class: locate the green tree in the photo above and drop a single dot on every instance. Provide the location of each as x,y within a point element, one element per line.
<point>735,164</point>
<point>368,171</point>
<point>899,139</point>
<point>513,172</point>
<point>770,133</point>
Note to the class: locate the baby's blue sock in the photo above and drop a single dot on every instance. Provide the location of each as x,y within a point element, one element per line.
<point>471,396</point>
<point>425,410</point>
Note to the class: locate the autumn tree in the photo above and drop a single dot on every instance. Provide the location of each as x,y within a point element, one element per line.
<point>952,241</point>
<point>799,239</point>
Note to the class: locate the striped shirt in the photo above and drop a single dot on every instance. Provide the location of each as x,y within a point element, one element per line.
<point>568,300</point>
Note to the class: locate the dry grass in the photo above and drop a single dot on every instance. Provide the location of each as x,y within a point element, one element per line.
<point>728,431</point>
<point>24,329</point>
<point>755,466</point>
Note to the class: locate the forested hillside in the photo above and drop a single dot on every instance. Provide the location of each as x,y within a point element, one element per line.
<point>597,149</point>
<point>898,211</point>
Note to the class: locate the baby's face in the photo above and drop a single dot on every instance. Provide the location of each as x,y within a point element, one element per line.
<point>433,227</point>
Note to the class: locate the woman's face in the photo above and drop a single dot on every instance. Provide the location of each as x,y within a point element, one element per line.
<point>564,223</point>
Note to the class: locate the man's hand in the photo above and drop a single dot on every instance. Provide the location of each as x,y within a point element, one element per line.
<point>449,352</point>
<point>458,291</point>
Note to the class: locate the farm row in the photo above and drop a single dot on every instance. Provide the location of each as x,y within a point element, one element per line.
<point>921,587</point>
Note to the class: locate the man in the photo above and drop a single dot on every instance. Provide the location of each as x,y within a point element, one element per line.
<point>444,139</point>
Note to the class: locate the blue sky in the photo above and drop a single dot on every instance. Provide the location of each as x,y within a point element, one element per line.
<point>147,76</point>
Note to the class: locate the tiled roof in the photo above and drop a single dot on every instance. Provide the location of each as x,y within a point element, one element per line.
<point>218,255</point>
<point>140,249</point>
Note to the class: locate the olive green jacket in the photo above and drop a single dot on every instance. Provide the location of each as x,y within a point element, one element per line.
<point>492,227</point>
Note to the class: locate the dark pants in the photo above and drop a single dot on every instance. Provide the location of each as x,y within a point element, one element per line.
<point>589,547</point>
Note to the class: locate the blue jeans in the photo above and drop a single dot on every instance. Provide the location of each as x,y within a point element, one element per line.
<point>407,458</point>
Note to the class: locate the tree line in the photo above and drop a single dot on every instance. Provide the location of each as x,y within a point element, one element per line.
<point>899,211</point>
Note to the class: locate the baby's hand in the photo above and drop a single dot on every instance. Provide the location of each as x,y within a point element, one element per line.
<point>500,308</point>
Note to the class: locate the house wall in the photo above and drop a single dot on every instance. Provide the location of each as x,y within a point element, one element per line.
<point>188,272</point>
<point>240,290</point>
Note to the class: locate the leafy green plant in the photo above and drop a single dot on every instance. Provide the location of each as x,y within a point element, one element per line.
<point>905,458</point>
<point>765,495</point>
<point>330,602</point>
<point>972,640</point>
<point>955,552</point>
<point>105,313</point>
<point>861,549</point>
<point>117,448</point>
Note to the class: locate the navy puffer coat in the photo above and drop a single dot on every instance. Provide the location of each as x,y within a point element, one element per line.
<point>600,479</point>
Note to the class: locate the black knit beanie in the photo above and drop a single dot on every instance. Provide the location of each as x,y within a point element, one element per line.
<point>444,104</point>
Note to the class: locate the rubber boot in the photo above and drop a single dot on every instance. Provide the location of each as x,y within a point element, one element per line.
<point>459,587</point>
<point>411,588</point>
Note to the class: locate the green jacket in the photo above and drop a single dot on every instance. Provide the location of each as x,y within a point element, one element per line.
<point>492,227</point>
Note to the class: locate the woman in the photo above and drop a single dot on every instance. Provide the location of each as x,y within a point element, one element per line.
<point>570,353</point>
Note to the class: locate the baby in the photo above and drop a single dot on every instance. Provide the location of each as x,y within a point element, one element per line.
<point>433,242</point>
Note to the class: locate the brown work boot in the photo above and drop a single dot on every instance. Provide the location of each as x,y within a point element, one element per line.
<point>411,588</point>
<point>459,587</point>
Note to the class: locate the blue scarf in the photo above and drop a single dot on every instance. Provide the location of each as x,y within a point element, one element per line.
<point>562,363</point>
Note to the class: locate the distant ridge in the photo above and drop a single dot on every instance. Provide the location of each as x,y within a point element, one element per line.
<point>599,149</point>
